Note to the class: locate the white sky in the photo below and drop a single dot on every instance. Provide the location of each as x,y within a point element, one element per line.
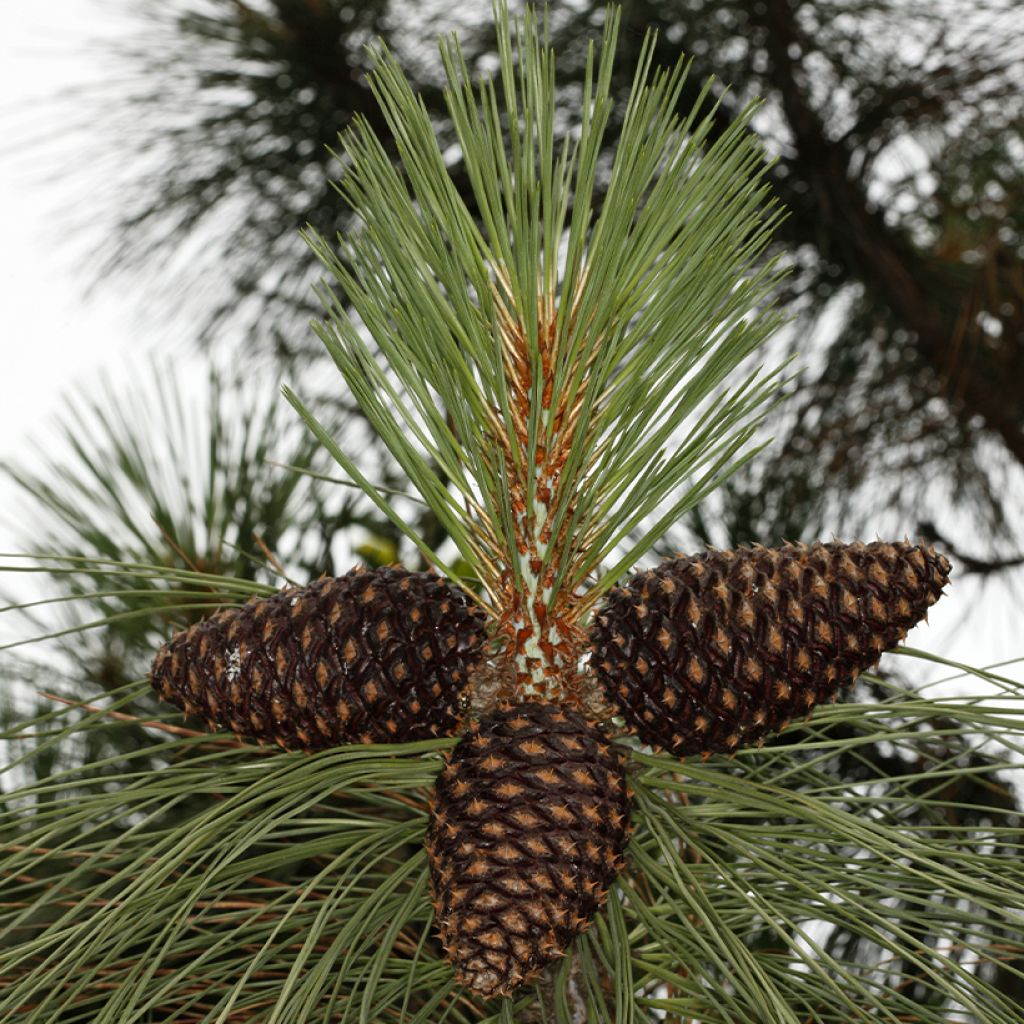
<point>48,336</point>
<point>52,337</point>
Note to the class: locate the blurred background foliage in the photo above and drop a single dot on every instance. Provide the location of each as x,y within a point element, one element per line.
<point>897,133</point>
<point>162,499</point>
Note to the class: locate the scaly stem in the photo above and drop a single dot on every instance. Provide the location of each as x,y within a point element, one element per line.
<point>544,641</point>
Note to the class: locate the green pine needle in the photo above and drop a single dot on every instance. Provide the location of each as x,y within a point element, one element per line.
<point>238,883</point>
<point>566,327</point>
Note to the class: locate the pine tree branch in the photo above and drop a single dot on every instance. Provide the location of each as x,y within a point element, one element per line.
<point>969,563</point>
<point>907,279</point>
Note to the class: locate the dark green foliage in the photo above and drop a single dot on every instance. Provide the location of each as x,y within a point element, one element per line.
<point>870,866</point>
<point>232,104</point>
<point>905,234</point>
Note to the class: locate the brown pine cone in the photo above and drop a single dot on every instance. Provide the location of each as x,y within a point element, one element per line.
<point>374,656</point>
<point>527,832</point>
<point>716,651</point>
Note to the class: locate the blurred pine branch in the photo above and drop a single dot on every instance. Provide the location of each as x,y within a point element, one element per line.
<point>899,166</point>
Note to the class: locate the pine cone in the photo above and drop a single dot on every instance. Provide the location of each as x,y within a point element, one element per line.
<point>529,824</point>
<point>714,652</point>
<point>373,656</point>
